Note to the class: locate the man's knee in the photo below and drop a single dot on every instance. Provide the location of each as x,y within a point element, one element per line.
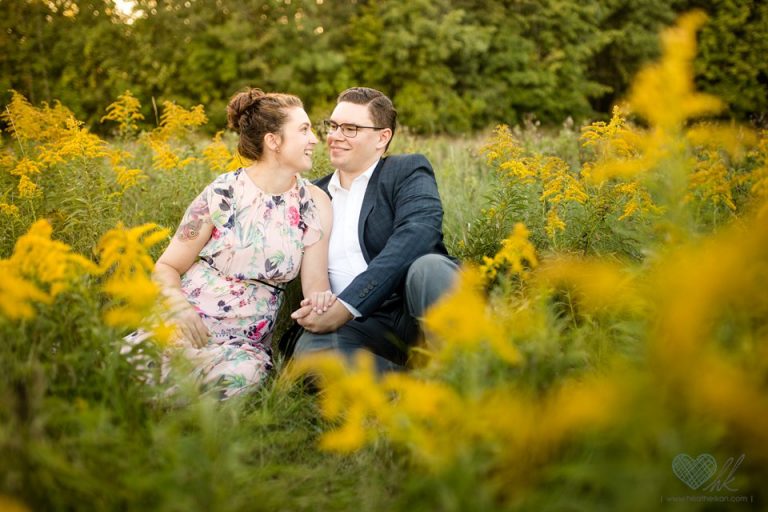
<point>428,278</point>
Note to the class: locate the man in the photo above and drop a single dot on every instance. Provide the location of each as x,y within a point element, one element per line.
<point>387,260</point>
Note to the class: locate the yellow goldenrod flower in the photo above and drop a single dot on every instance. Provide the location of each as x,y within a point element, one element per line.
<point>126,250</point>
<point>663,93</point>
<point>503,146</point>
<point>461,321</point>
<point>42,124</point>
<point>18,294</point>
<point>125,111</point>
<point>733,139</point>
<point>554,223</point>
<point>26,167</point>
<point>7,160</point>
<point>27,188</point>
<point>597,285</point>
<point>38,260</point>
<point>175,121</point>
<point>219,158</point>
<point>711,181</point>
<point>516,251</point>
<point>165,158</point>
<point>350,394</point>
<point>11,210</point>
<point>638,200</point>
<point>77,142</point>
<point>137,295</point>
<point>128,178</point>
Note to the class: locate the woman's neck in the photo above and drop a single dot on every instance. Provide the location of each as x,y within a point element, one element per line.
<point>270,177</point>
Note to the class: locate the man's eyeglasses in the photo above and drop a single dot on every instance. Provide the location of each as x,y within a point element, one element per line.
<point>348,130</point>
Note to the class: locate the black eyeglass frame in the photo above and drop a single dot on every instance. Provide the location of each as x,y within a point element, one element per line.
<point>331,126</point>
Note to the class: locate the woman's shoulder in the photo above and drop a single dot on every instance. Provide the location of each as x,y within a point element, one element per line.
<point>309,192</point>
<point>227,177</point>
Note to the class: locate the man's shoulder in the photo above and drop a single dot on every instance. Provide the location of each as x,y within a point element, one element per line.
<point>407,161</point>
<point>323,182</point>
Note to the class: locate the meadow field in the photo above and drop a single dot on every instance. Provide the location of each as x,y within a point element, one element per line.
<point>605,349</point>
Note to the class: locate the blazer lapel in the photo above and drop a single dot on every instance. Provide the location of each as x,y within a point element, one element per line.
<point>368,201</point>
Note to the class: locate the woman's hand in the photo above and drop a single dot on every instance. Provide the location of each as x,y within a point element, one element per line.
<point>320,301</point>
<point>191,327</point>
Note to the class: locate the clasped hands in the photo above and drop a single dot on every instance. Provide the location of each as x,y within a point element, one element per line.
<point>318,313</point>
<point>321,313</point>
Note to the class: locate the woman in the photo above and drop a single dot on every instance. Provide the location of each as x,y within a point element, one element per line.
<point>241,239</point>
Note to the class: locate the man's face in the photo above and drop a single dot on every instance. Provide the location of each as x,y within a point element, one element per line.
<point>355,154</point>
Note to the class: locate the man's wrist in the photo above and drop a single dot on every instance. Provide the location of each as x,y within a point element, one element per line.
<point>354,312</point>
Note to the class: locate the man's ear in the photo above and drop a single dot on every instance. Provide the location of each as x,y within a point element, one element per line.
<point>385,136</point>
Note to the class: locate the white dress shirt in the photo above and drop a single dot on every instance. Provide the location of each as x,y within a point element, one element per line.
<point>345,256</point>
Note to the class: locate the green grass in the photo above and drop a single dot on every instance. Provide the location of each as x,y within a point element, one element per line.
<point>78,431</point>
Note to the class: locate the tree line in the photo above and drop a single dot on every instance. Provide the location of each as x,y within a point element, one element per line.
<point>451,66</point>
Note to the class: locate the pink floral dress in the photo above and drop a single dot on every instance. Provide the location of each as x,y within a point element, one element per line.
<point>256,247</point>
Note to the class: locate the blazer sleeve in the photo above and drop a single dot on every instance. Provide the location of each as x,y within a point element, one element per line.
<point>416,230</point>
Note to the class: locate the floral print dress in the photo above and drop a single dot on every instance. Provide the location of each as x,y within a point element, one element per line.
<point>256,247</point>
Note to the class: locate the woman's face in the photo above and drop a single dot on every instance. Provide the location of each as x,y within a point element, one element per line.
<point>298,141</point>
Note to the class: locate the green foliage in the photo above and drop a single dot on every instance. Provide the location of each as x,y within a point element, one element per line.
<point>452,66</point>
<point>730,63</point>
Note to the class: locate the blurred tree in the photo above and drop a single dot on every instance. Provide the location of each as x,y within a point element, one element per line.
<point>538,57</point>
<point>413,50</point>
<point>731,62</point>
<point>632,38</point>
<point>449,65</point>
<point>63,50</point>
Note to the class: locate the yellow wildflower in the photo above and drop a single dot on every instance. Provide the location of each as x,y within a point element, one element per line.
<point>597,285</point>
<point>125,111</point>
<point>7,159</point>
<point>218,157</point>
<point>759,176</point>
<point>37,124</point>
<point>78,142</point>
<point>128,178</point>
<point>175,120</point>
<point>126,250</point>
<point>503,146</point>
<point>137,295</point>
<point>11,210</point>
<point>461,321</point>
<point>554,223</point>
<point>639,201</point>
<point>350,394</point>
<point>18,294</point>
<point>27,188</point>
<point>165,158</point>
<point>711,181</point>
<point>26,167</point>
<point>516,251</point>
<point>663,93</point>
<point>36,256</point>
<point>735,140</point>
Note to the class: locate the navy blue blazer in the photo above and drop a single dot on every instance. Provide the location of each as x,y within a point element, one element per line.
<point>401,219</point>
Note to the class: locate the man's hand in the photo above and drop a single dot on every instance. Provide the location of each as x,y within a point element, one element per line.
<point>336,316</point>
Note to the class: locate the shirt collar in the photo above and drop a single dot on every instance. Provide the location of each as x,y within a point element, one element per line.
<point>334,186</point>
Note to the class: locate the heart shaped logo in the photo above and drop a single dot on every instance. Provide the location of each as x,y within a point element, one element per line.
<point>694,472</point>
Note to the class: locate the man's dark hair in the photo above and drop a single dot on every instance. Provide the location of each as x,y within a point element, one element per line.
<point>383,113</point>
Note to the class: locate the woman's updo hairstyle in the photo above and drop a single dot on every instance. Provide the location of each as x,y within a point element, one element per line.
<point>252,114</point>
